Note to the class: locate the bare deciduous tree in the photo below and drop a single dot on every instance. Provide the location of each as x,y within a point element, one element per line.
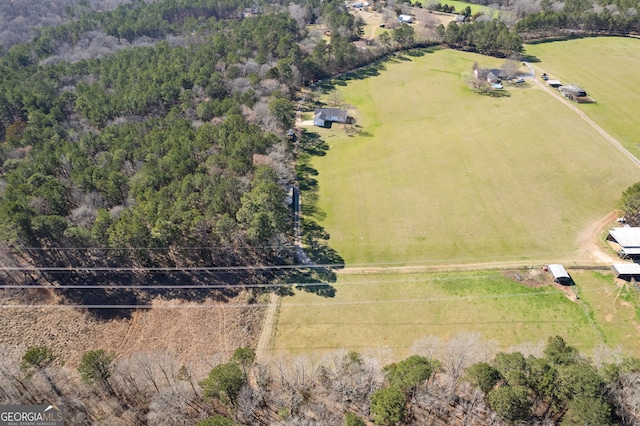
<point>624,392</point>
<point>428,347</point>
<point>511,68</point>
<point>300,14</point>
<point>336,98</point>
<point>462,351</point>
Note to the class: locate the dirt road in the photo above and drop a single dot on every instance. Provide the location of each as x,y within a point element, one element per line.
<point>268,328</point>
<point>584,116</point>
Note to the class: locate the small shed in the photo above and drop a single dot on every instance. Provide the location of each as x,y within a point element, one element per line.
<point>560,275</point>
<point>405,19</point>
<point>626,271</point>
<point>554,83</point>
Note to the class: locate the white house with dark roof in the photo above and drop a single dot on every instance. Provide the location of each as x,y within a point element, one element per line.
<point>492,75</point>
<point>324,116</point>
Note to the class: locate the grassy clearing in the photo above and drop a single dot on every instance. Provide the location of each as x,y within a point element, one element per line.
<point>393,311</point>
<point>372,23</point>
<point>460,6</point>
<point>613,308</point>
<point>436,174</point>
<point>607,68</point>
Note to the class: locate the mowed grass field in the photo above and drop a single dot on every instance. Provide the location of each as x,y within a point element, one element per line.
<point>607,68</point>
<point>391,311</point>
<point>439,175</point>
<point>613,308</point>
<point>460,6</point>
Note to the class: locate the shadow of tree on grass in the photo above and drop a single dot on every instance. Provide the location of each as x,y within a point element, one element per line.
<point>114,302</point>
<point>315,238</point>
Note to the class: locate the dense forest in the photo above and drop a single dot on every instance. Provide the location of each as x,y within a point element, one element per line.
<point>21,20</point>
<point>172,153</point>
<point>455,383</point>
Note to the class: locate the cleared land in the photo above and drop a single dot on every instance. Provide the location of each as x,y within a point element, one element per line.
<point>607,68</point>
<point>459,5</point>
<point>195,333</point>
<point>439,175</point>
<point>613,307</point>
<point>370,312</point>
<point>433,174</point>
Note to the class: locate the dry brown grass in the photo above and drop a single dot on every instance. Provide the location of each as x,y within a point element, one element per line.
<point>195,334</point>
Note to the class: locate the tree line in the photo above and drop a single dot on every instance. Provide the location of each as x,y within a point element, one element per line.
<point>157,148</point>
<point>488,37</point>
<point>552,23</point>
<point>448,383</point>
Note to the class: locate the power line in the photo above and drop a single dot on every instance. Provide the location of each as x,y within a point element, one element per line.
<point>160,268</point>
<point>226,286</point>
<point>157,287</point>
<point>324,305</point>
<point>514,262</point>
<point>234,247</point>
<point>128,307</point>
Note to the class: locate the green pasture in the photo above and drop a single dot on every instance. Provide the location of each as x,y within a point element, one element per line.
<point>607,68</point>
<point>393,311</point>
<point>432,173</point>
<point>460,6</point>
<point>613,308</point>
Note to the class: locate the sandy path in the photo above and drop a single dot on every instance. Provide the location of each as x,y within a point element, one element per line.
<point>268,328</point>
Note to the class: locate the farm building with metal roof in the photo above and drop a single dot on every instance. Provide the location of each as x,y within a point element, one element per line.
<point>629,240</point>
<point>572,92</point>
<point>626,270</point>
<point>560,275</point>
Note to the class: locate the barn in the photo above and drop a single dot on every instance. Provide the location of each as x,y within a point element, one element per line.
<point>626,271</point>
<point>560,275</point>
<point>628,238</point>
<point>323,117</point>
<point>572,92</point>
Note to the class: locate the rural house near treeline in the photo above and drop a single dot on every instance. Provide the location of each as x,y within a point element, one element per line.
<point>493,75</point>
<point>323,117</point>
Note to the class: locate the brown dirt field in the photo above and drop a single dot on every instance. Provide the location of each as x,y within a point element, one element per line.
<point>588,243</point>
<point>196,333</point>
<point>534,277</point>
